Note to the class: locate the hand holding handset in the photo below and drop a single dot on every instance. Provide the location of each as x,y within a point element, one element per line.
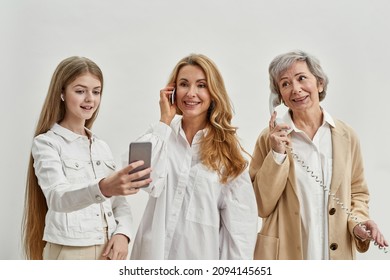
<point>140,151</point>
<point>279,129</point>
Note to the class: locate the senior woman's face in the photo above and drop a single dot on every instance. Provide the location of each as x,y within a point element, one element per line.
<point>299,87</point>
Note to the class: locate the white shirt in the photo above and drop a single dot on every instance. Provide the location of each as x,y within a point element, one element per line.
<point>317,155</point>
<point>190,214</point>
<point>69,167</point>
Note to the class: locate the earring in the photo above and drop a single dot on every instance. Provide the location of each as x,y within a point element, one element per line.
<point>62,97</point>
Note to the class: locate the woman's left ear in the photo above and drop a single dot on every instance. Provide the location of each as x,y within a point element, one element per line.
<point>320,87</point>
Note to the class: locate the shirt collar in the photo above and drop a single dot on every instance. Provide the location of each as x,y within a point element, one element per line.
<point>327,119</point>
<point>177,127</point>
<point>69,135</point>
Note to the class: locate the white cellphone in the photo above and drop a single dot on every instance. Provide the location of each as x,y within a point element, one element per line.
<point>140,151</point>
<point>172,97</point>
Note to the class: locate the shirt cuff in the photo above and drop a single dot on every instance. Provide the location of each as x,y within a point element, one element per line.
<point>95,192</point>
<point>279,158</point>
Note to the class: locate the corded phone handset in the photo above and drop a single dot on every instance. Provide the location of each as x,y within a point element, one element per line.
<point>274,101</point>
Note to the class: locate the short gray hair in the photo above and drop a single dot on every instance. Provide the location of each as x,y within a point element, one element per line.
<point>284,61</point>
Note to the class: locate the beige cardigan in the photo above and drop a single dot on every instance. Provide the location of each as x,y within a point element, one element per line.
<point>278,205</point>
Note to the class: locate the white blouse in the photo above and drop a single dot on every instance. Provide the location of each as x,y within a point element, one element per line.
<point>317,155</point>
<point>190,214</point>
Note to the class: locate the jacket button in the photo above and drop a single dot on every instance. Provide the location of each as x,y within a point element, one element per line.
<point>98,197</point>
<point>76,164</point>
<point>109,214</point>
<point>333,246</point>
<point>98,162</point>
<point>332,211</point>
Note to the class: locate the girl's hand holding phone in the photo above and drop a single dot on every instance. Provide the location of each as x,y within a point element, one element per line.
<point>122,183</point>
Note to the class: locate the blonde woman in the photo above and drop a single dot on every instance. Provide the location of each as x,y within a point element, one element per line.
<point>71,211</point>
<point>201,202</point>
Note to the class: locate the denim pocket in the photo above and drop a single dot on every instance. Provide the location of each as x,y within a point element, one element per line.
<point>75,170</point>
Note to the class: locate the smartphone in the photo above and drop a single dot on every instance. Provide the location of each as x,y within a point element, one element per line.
<point>140,151</point>
<point>172,97</point>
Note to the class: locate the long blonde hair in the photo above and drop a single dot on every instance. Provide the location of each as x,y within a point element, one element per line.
<point>53,111</point>
<point>220,149</point>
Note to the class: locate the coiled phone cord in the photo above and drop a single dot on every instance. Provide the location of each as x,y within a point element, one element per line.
<point>333,196</point>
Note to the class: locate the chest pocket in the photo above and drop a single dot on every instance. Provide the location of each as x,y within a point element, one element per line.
<point>103,168</point>
<point>76,171</point>
<point>203,204</point>
<point>110,166</point>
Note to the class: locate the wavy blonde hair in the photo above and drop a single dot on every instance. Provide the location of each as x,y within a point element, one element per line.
<point>53,111</point>
<point>220,149</point>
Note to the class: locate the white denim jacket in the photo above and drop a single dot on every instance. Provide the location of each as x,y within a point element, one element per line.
<point>69,167</point>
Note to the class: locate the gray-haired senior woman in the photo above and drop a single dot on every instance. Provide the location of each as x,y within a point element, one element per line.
<point>300,219</point>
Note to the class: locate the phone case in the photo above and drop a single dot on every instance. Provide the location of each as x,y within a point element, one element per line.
<point>140,151</point>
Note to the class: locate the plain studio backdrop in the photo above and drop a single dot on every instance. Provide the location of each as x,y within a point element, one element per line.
<point>137,44</point>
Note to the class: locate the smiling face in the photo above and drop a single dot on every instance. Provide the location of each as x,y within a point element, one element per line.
<point>82,98</point>
<point>192,94</point>
<point>299,87</point>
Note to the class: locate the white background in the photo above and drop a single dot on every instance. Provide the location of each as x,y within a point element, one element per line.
<point>137,44</point>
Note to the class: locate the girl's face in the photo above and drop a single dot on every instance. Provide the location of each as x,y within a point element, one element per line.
<point>192,94</point>
<point>82,98</point>
<point>299,87</point>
